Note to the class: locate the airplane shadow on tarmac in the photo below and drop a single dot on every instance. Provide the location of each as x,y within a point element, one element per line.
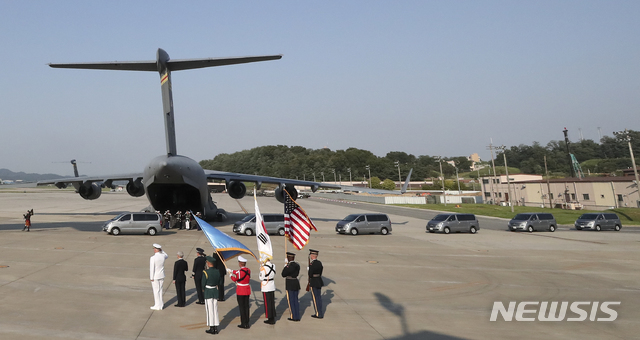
<point>398,310</point>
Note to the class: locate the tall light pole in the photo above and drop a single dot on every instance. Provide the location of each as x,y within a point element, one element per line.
<point>493,178</point>
<point>397,163</point>
<point>369,169</point>
<point>506,170</point>
<point>322,174</point>
<point>458,180</point>
<point>444,193</point>
<point>314,176</point>
<point>349,170</point>
<point>625,135</point>
<point>335,181</point>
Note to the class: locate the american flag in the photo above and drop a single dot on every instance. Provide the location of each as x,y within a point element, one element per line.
<point>297,225</point>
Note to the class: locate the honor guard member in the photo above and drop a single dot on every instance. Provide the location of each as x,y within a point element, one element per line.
<point>315,281</point>
<point>187,220</point>
<point>210,280</point>
<point>220,266</point>
<point>242,277</point>
<point>156,274</point>
<point>268,287</point>
<point>290,272</point>
<point>179,278</point>
<point>167,220</point>
<point>179,220</point>
<point>199,264</point>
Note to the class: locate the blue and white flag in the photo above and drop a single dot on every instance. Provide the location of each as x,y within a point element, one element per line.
<point>226,246</point>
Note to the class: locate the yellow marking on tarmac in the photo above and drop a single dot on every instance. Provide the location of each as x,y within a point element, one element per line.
<point>458,286</point>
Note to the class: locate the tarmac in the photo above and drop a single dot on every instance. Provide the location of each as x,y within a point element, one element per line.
<point>67,279</point>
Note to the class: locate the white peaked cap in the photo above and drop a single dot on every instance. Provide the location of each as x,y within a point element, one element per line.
<point>241,259</point>
<point>157,246</point>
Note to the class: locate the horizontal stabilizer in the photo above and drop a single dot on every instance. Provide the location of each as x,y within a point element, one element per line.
<point>172,65</point>
<point>189,64</point>
<point>115,65</point>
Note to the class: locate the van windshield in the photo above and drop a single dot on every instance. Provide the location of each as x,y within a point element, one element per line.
<point>247,218</point>
<point>522,217</point>
<point>589,216</point>
<point>441,217</point>
<point>351,217</point>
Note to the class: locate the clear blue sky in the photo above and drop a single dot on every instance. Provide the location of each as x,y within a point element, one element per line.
<point>424,77</point>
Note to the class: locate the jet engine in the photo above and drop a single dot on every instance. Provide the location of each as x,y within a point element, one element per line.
<point>236,189</point>
<point>135,188</point>
<point>89,191</point>
<point>290,189</point>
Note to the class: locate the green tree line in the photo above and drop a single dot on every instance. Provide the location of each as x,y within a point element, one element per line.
<point>302,163</point>
<point>610,155</point>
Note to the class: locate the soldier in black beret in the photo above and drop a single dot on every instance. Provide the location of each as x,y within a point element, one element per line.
<point>315,281</point>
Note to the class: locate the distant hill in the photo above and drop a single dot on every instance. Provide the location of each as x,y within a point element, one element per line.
<point>6,174</point>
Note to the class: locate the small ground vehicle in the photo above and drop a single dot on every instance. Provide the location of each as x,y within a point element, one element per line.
<point>274,223</point>
<point>134,223</point>
<point>355,224</point>
<point>533,222</point>
<point>598,221</point>
<point>451,223</point>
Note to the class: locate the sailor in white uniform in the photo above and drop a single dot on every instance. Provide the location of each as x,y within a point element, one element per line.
<point>156,274</point>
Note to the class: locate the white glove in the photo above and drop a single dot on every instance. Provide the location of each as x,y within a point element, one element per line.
<point>286,261</point>
<point>229,271</point>
<point>307,268</point>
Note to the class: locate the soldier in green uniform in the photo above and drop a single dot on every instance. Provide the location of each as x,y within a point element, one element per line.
<point>210,281</point>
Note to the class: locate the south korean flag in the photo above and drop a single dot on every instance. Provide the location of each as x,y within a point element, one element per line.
<point>264,242</point>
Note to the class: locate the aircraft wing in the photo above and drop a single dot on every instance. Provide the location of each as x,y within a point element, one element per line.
<point>91,179</point>
<point>230,176</point>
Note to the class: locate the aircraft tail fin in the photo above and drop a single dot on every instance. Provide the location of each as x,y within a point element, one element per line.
<point>406,182</point>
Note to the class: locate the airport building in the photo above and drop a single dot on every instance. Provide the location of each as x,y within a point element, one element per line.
<point>593,193</point>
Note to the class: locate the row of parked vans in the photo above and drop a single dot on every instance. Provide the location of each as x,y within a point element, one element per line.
<point>373,223</point>
<point>453,222</point>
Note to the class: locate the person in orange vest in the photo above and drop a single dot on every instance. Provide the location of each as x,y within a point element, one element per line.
<point>242,277</point>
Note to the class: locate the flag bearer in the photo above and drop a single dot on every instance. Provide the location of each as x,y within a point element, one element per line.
<point>268,286</point>
<point>210,280</point>
<point>242,277</point>
<point>290,272</point>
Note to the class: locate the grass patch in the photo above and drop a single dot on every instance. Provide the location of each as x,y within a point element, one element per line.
<point>628,216</point>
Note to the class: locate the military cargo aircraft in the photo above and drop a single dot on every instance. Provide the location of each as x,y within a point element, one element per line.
<point>174,182</point>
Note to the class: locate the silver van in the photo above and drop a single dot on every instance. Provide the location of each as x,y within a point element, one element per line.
<point>451,223</point>
<point>533,222</point>
<point>598,221</point>
<point>355,224</point>
<point>134,223</point>
<point>274,223</point>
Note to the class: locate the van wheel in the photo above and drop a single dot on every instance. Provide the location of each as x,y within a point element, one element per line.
<point>152,231</point>
<point>530,229</point>
<point>598,228</point>
<point>617,227</point>
<point>115,231</point>
<point>473,230</point>
<point>354,231</point>
<point>446,230</point>
<point>281,231</point>
<point>248,232</point>
<point>578,228</point>
<point>384,231</point>
<point>552,228</point>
